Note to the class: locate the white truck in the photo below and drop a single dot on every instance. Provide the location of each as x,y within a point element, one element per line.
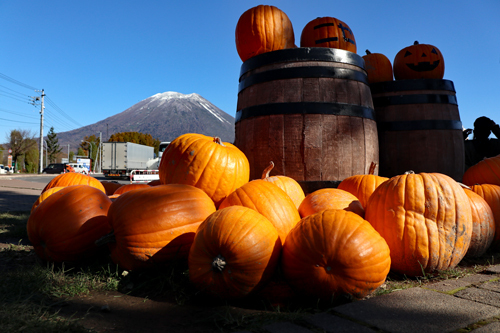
<point>119,159</point>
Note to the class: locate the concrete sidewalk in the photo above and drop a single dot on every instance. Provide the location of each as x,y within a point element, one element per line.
<point>455,305</point>
<point>18,195</point>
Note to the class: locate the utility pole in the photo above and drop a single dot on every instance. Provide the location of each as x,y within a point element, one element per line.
<point>40,168</point>
<point>68,154</point>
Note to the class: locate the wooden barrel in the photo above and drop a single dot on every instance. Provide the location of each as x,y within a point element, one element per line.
<point>310,111</point>
<point>419,127</point>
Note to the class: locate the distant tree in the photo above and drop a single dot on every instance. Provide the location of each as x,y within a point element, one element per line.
<point>21,141</point>
<point>71,156</point>
<point>32,159</point>
<point>53,148</point>
<point>90,148</point>
<point>136,137</point>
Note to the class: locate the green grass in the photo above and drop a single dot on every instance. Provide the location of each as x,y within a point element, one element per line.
<point>31,291</point>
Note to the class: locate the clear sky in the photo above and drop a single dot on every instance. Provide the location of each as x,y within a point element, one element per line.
<point>96,58</point>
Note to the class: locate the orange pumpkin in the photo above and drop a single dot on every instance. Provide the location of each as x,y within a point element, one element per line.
<point>44,196</point>
<point>483,225</point>
<point>263,29</point>
<point>378,67</point>
<point>110,187</point>
<point>334,253</point>
<point>235,252</point>
<point>419,61</point>
<point>216,167</point>
<point>129,187</point>
<point>287,184</point>
<point>330,198</point>
<point>362,186</point>
<point>156,224</point>
<point>66,225</point>
<point>74,178</point>
<point>269,200</point>
<point>491,194</point>
<point>328,32</point>
<point>425,219</point>
<point>486,171</point>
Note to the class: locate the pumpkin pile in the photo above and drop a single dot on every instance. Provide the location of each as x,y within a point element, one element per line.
<point>239,237</point>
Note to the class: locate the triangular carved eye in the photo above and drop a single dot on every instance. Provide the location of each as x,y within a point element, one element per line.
<point>434,51</point>
<point>408,53</point>
<point>424,55</point>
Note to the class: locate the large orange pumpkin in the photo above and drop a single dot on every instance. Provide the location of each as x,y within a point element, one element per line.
<point>263,29</point>
<point>426,220</point>
<point>330,198</point>
<point>491,194</point>
<point>483,225</point>
<point>44,196</point>
<point>216,167</point>
<point>235,251</point>
<point>66,225</point>
<point>287,184</point>
<point>269,200</point>
<point>362,186</point>
<point>328,32</point>
<point>74,178</point>
<point>156,224</point>
<point>419,61</point>
<point>334,253</point>
<point>486,171</point>
<point>129,187</point>
<point>378,67</point>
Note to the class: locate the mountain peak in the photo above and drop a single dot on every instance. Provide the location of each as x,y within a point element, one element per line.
<point>172,95</point>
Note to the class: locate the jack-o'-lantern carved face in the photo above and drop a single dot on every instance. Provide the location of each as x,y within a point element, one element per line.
<point>419,61</point>
<point>328,32</point>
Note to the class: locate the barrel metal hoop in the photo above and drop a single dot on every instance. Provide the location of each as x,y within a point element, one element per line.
<point>303,72</point>
<point>340,109</point>
<point>301,54</point>
<point>384,101</point>
<point>407,85</point>
<point>416,125</point>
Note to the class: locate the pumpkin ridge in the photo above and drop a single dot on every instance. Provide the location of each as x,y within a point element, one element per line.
<point>493,169</point>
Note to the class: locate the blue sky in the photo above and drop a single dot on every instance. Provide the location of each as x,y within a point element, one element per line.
<point>95,59</point>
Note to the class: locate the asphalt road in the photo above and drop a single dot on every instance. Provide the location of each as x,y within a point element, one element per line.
<point>47,178</point>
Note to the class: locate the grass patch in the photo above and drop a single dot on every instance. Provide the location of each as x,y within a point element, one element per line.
<point>31,291</point>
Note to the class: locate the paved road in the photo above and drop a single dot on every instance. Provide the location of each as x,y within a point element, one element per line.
<point>18,192</point>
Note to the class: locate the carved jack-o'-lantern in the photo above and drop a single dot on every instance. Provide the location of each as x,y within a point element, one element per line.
<point>419,61</point>
<point>328,32</point>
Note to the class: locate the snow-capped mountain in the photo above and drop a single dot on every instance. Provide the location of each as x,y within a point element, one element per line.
<point>165,116</point>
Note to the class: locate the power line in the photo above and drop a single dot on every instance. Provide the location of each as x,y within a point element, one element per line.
<point>19,83</point>
<point>58,109</point>
<point>15,97</point>
<point>18,121</point>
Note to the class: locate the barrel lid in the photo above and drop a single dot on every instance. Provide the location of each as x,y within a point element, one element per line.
<point>415,84</point>
<point>302,54</point>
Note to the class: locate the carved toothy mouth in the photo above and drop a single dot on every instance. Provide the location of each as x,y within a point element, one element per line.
<point>424,66</point>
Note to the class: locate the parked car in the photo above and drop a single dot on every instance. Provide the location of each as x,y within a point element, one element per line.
<point>3,169</point>
<point>55,168</point>
<point>79,168</point>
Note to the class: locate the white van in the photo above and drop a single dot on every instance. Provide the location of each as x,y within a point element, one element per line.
<point>79,168</point>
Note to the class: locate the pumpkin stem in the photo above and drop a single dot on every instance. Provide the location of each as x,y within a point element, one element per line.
<point>368,52</point>
<point>410,172</point>
<point>371,171</point>
<point>219,263</point>
<point>219,141</point>
<point>109,238</point>
<point>416,42</point>
<point>267,170</point>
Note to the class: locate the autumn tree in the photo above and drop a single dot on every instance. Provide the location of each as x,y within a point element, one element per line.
<point>21,142</point>
<point>53,148</point>
<point>136,137</point>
